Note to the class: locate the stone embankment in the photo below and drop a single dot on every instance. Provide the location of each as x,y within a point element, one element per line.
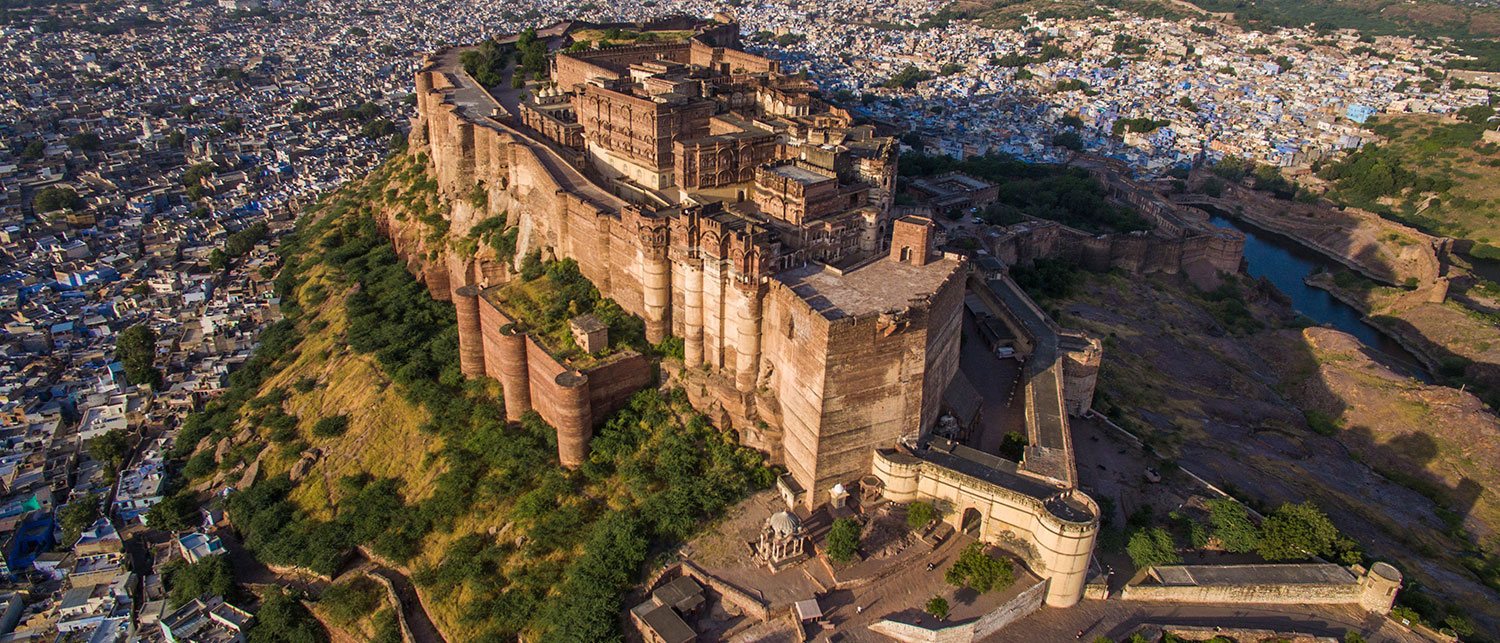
<point>1383,250</point>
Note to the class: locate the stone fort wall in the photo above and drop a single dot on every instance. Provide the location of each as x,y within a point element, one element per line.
<point>1137,254</point>
<point>1373,589</point>
<point>784,372</point>
<point>1054,547</point>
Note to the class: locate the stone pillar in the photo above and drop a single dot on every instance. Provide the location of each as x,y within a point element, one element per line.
<point>692,304</point>
<point>438,285</point>
<point>656,278</point>
<point>714,326</point>
<point>747,338</point>
<point>575,423</point>
<point>470,337</point>
<point>515,378</point>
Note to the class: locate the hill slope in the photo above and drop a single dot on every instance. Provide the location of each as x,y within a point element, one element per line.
<point>359,398</point>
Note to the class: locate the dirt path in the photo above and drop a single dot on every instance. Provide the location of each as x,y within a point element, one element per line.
<point>251,572</point>
<point>422,628</point>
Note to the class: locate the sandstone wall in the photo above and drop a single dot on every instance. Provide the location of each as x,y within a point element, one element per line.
<point>571,401</point>
<point>1056,544</point>
<point>1373,589</point>
<point>1013,610</point>
<point>762,352</point>
<point>1212,251</point>
<point>795,349</point>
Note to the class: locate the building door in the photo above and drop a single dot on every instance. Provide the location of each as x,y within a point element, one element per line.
<point>971,522</point>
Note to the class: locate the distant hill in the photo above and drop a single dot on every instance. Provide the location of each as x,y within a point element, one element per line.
<point>1474,27</point>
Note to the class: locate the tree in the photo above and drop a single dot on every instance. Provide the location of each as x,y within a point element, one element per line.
<point>1068,140</point>
<point>85,141</point>
<point>177,512</point>
<point>77,516</point>
<point>199,466</point>
<point>1232,525</point>
<point>907,78</point>
<point>136,350</point>
<point>283,619</point>
<point>1151,547</point>
<point>186,581</point>
<point>978,571</point>
<point>1297,532</point>
<point>34,150</point>
<point>531,265</point>
<point>110,449</point>
<point>937,606</point>
<point>919,514</point>
<point>843,540</point>
<point>52,199</point>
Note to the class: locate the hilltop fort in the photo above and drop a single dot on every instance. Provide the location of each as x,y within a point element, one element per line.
<point>747,230</point>
<point>726,205</point>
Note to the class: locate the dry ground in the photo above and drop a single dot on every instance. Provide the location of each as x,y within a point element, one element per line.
<point>1232,409</point>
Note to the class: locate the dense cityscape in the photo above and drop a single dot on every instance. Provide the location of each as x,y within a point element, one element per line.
<point>153,155</point>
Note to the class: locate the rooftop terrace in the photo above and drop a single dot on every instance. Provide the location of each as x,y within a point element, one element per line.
<point>878,286</point>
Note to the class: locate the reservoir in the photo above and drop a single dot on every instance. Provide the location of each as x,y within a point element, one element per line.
<point>1285,263</point>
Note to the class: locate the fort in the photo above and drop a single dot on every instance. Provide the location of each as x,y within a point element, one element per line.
<point>730,209</point>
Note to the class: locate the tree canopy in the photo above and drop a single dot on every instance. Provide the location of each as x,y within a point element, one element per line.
<point>980,572</point>
<point>136,350</point>
<point>54,198</point>
<point>843,540</point>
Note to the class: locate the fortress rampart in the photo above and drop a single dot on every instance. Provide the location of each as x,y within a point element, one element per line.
<point>1053,529</point>
<point>567,398</point>
<point>1321,584</point>
<point>828,360</point>
<point>1213,251</point>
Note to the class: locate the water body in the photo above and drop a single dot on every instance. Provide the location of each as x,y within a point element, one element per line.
<point>1285,263</point>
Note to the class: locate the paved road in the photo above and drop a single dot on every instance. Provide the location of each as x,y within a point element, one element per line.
<point>998,381</point>
<point>478,104</point>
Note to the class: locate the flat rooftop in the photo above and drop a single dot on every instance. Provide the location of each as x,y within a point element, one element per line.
<point>879,286</point>
<point>800,174</point>
<point>1312,574</point>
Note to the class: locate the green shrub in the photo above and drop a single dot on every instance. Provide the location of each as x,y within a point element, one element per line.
<point>843,540</point>
<point>349,602</point>
<point>1321,423</point>
<point>1232,525</point>
<point>331,427</point>
<point>937,606</point>
<point>200,465</point>
<point>919,514</point>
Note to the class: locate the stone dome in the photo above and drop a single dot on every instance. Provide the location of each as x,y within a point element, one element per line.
<point>784,524</point>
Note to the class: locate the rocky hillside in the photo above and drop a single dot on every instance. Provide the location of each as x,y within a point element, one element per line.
<point>357,430</point>
<point>1227,384</point>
